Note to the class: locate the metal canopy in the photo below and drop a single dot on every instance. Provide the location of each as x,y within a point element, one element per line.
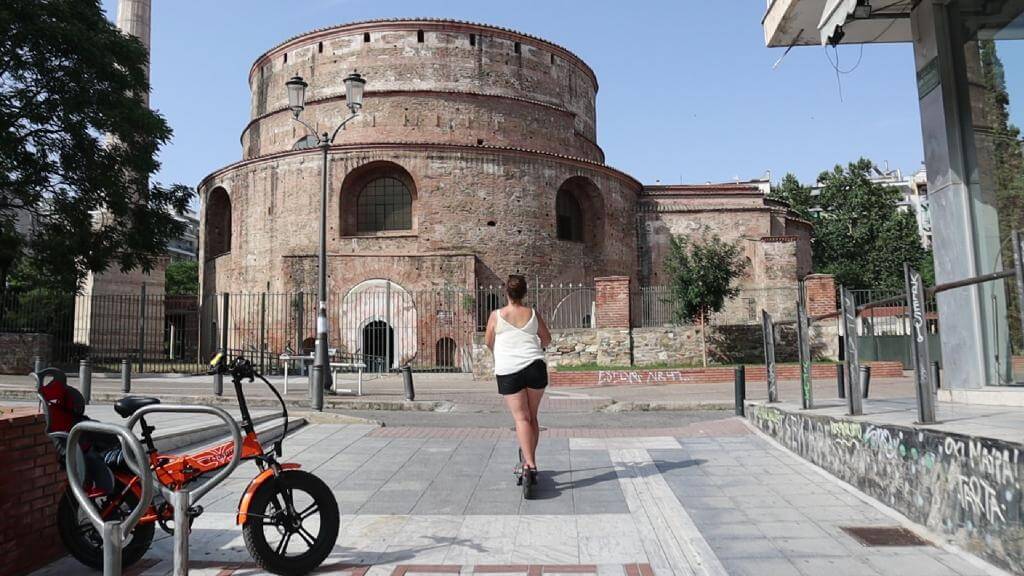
<point>877,29</point>
<point>834,16</point>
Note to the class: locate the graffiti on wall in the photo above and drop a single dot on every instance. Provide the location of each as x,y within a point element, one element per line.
<point>642,377</point>
<point>969,488</point>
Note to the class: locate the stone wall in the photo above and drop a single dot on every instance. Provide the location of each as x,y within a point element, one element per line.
<point>18,349</point>
<point>968,488</point>
<point>640,347</point>
<point>30,487</point>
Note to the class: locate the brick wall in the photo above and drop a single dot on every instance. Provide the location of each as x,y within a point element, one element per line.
<point>30,487</point>
<point>17,350</point>
<point>710,375</point>
<point>821,294</point>
<point>612,302</point>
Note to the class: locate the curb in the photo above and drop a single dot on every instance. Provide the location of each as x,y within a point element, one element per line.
<point>663,406</point>
<point>330,402</point>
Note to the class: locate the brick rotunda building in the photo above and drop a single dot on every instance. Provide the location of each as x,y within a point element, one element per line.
<point>475,156</point>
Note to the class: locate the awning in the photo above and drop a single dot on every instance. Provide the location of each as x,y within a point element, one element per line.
<point>834,16</point>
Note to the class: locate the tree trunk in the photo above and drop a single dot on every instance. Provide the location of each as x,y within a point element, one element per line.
<point>703,339</point>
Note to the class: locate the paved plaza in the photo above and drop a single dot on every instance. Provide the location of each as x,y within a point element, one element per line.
<point>713,498</point>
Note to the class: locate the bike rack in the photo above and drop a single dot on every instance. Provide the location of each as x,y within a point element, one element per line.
<point>182,500</point>
<point>113,532</point>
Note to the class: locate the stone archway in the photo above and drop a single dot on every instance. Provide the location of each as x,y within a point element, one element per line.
<point>378,319</point>
<point>218,223</point>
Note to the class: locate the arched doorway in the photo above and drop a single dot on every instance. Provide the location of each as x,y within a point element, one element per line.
<point>374,314</point>
<point>378,345</point>
<point>444,353</point>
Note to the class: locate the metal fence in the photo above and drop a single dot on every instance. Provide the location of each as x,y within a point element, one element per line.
<point>378,324</point>
<point>891,319</point>
<point>654,306</point>
<point>155,331</point>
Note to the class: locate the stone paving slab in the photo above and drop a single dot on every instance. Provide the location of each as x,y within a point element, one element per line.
<point>670,505</point>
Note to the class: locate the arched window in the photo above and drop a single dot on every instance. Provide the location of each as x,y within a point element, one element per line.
<point>569,216</point>
<point>384,204</point>
<point>444,352</point>
<point>218,223</point>
<point>308,141</point>
<point>579,212</point>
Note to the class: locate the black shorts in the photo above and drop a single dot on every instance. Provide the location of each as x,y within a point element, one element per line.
<point>534,376</point>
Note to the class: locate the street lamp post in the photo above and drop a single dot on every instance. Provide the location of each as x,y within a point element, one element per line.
<point>354,84</point>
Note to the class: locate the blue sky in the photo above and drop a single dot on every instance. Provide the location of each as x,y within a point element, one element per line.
<point>687,90</point>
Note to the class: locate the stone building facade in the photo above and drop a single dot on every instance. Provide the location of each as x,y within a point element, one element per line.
<point>475,156</point>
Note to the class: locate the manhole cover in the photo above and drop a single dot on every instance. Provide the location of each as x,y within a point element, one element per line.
<point>884,536</point>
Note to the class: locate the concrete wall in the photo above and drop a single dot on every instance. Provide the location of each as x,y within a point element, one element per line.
<point>968,488</point>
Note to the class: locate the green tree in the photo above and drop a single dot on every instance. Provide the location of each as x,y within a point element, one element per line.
<point>76,141</point>
<point>798,196</point>
<point>861,237</point>
<point>182,277</point>
<point>702,272</point>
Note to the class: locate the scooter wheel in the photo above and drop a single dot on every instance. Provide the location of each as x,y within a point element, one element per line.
<point>291,539</point>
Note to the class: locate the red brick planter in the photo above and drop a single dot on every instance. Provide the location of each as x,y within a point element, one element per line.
<point>711,375</point>
<point>30,487</point>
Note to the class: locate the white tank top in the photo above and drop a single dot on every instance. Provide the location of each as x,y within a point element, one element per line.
<point>515,348</point>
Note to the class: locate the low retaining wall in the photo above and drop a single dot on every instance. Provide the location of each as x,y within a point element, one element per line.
<point>17,350</point>
<point>710,375</point>
<point>30,487</point>
<point>966,487</point>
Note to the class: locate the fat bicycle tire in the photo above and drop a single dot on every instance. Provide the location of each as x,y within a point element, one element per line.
<point>264,506</point>
<point>86,545</point>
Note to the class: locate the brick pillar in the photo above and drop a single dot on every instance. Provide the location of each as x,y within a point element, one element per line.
<point>30,487</point>
<point>821,294</point>
<point>612,302</point>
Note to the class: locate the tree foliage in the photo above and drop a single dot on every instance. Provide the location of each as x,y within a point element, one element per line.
<point>860,235</point>
<point>182,278</point>
<point>76,141</point>
<point>1006,150</point>
<point>798,196</point>
<point>702,272</point>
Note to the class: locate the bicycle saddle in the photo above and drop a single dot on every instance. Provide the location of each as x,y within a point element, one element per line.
<point>130,404</point>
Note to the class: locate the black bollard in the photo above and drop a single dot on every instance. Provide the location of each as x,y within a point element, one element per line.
<point>741,388</point>
<point>865,379</point>
<point>841,379</point>
<point>410,392</point>
<point>85,378</point>
<point>936,375</point>
<point>126,375</point>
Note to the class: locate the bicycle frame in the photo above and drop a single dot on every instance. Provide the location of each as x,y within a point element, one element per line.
<point>178,470</point>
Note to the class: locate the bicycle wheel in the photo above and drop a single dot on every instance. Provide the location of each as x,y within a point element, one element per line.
<point>296,539</point>
<point>82,540</point>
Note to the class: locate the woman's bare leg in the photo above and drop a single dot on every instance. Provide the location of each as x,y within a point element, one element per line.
<point>519,405</point>
<point>533,398</point>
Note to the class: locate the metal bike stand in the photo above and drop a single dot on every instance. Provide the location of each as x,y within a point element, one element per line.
<point>182,500</point>
<point>114,532</point>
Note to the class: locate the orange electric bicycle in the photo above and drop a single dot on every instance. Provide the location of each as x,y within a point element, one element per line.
<point>289,517</point>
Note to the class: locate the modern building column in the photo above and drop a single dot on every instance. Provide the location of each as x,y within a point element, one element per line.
<point>964,224</point>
